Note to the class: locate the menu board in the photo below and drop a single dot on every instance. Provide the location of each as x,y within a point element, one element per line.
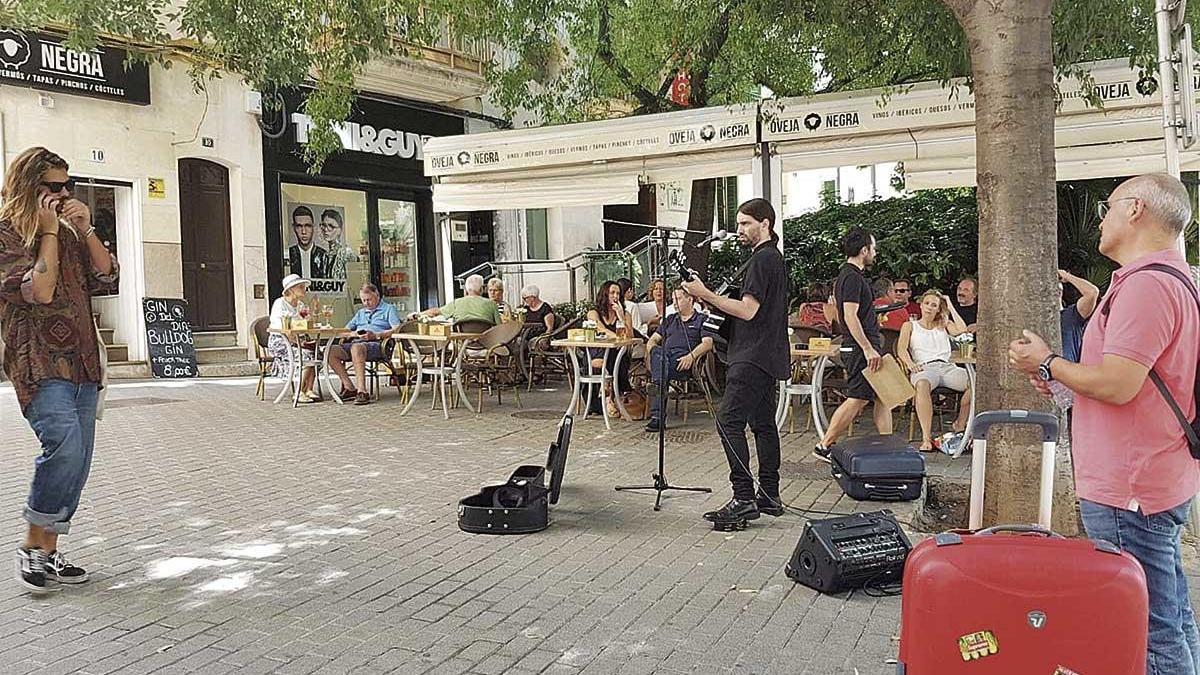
<point>169,338</point>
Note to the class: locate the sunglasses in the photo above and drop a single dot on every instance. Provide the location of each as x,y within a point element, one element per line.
<point>904,290</point>
<point>58,186</point>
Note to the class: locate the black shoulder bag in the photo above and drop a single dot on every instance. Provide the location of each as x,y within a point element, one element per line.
<point>1190,429</point>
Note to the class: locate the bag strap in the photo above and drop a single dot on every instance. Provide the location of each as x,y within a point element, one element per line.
<point>1192,438</point>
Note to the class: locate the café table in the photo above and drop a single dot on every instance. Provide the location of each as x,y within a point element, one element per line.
<point>622,345</point>
<point>439,370</point>
<point>296,337</point>
<point>790,387</point>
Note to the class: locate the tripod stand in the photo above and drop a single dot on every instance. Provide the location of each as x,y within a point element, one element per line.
<point>661,484</point>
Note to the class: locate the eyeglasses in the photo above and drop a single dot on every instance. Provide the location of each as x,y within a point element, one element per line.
<point>58,186</point>
<point>1103,206</point>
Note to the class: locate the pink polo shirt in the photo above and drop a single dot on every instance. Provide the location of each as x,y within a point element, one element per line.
<point>1135,455</point>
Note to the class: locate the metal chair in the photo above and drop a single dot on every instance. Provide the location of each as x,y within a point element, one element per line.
<point>553,361</point>
<point>260,332</point>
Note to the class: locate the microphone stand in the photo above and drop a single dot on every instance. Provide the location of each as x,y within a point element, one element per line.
<point>661,484</point>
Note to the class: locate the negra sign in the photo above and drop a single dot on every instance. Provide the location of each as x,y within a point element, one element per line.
<point>169,338</point>
<point>41,61</point>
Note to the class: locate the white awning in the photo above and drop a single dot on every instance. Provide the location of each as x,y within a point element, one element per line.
<point>535,193</point>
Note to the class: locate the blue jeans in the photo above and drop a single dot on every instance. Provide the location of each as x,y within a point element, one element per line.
<point>63,416</point>
<point>656,373</point>
<point>1174,647</point>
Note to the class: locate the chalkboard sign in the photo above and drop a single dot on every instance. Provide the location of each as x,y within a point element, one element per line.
<point>169,338</point>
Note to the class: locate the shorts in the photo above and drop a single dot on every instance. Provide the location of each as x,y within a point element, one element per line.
<point>375,351</point>
<point>942,374</point>
<point>857,386</point>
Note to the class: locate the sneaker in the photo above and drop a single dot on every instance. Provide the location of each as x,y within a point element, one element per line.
<point>58,569</point>
<point>654,424</point>
<point>822,453</point>
<point>31,570</point>
<point>734,510</point>
<point>772,505</point>
<point>362,398</point>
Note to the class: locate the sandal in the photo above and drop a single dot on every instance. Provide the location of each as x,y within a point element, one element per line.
<point>347,394</point>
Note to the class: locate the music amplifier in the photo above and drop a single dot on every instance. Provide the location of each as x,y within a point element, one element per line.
<point>837,554</point>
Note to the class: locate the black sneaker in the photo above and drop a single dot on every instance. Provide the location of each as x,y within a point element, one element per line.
<point>31,570</point>
<point>771,505</point>
<point>822,453</point>
<point>58,569</point>
<point>653,424</point>
<point>734,510</point>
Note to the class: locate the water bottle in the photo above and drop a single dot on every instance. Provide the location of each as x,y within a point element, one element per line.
<point>1063,397</point>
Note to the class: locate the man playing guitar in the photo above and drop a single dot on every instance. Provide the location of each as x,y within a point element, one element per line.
<point>758,358</point>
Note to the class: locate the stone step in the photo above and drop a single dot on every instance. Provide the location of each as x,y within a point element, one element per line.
<point>128,370</point>
<point>220,354</point>
<point>206,339</point>
<point>238,369</point>
<point>140,370</point>
<point>107,337</point>
<point>117,353</point>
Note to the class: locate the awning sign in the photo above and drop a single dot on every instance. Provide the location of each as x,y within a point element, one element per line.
<point>632,137</point>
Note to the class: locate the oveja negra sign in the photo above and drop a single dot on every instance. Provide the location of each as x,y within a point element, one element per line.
<point>42,61</point>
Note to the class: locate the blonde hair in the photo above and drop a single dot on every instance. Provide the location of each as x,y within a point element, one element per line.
<point>20,191</point>
<point>495,282</point>
<point>943,309</point>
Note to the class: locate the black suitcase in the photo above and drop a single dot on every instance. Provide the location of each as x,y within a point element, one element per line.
<point>878,468</point>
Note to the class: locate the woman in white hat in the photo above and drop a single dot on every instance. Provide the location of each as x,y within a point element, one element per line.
<point>289,305</point>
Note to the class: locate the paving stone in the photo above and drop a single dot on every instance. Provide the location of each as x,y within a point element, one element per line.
<point>230,535</point>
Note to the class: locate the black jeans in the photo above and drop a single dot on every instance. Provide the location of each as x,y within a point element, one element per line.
<point>750,398</point>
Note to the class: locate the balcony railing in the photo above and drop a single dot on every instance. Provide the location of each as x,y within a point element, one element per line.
<point>449,49</point>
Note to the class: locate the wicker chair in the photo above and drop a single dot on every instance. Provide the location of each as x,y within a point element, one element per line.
<point>692,385</point>
<point>551,360</point>
<point>260,333</point>
<point>493,361</point>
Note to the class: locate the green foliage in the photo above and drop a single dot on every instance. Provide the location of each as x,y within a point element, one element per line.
<point>569,311</point>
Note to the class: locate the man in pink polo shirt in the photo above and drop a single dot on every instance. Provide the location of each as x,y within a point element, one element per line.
<point>1133,473</point>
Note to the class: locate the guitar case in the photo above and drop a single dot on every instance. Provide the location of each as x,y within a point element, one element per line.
<point>521,504</point>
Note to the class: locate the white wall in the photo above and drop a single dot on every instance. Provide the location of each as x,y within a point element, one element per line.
<point>802,189</point>
<point>141,142</point>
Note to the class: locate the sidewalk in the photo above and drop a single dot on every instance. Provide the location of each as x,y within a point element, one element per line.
<point>229,535</point>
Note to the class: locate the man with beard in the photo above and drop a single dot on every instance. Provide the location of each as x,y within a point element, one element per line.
<point>860,330</point>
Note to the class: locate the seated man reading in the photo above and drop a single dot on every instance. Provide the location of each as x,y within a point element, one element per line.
<point>683,340</point>
<point>368,329</point>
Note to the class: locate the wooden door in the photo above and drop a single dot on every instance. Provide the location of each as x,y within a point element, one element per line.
<point>206,243</point>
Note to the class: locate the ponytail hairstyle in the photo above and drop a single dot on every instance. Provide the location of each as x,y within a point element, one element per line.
<point>21,191</point>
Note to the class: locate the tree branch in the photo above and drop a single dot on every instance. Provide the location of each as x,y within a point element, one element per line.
<point>648,101</point>
<point>710,49</point>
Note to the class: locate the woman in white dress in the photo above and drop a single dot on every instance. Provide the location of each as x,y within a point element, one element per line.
<point>924,348</point>
<point>290,305</point>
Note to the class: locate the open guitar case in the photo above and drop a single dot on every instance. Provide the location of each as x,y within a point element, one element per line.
<point>521,505</point>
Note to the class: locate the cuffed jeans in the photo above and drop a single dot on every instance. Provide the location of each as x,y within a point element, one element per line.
<point>1174,645</point>
<point>750,398</point>
<point>63,416</point>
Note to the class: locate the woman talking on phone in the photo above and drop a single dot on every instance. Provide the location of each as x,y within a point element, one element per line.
<point>51,263</point>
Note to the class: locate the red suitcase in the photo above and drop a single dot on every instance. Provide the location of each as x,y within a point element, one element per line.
<point>991,603</point>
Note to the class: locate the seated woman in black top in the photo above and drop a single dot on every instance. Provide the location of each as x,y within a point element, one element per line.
<point>609,315</point>
<point>539,316</point>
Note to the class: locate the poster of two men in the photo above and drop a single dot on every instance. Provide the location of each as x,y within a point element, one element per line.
<point>317,242</point>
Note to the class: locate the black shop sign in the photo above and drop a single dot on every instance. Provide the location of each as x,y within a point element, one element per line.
<point>169,338</point>
<point>42,61</point>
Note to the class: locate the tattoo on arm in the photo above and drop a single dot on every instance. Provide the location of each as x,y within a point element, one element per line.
<point>40,268</point>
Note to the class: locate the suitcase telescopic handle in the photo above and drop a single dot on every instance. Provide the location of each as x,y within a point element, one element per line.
<point>1020,529</point>
<point>986,420</point>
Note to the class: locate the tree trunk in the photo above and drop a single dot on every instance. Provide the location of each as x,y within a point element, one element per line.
<point>1012,63</point>
<point>700,222</point>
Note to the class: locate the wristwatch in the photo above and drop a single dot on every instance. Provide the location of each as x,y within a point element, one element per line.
<point>1043,370</point>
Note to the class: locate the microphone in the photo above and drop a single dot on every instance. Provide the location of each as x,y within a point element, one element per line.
<point>719,235</point>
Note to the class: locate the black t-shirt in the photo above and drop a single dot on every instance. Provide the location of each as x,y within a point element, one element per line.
<point>852,286</point>
<point>968,313</point>
<point>763,340</point>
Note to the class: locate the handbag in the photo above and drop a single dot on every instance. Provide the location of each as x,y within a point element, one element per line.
<point>635,402</point>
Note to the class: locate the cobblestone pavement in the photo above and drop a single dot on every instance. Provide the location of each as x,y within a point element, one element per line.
<point>229,535</point>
